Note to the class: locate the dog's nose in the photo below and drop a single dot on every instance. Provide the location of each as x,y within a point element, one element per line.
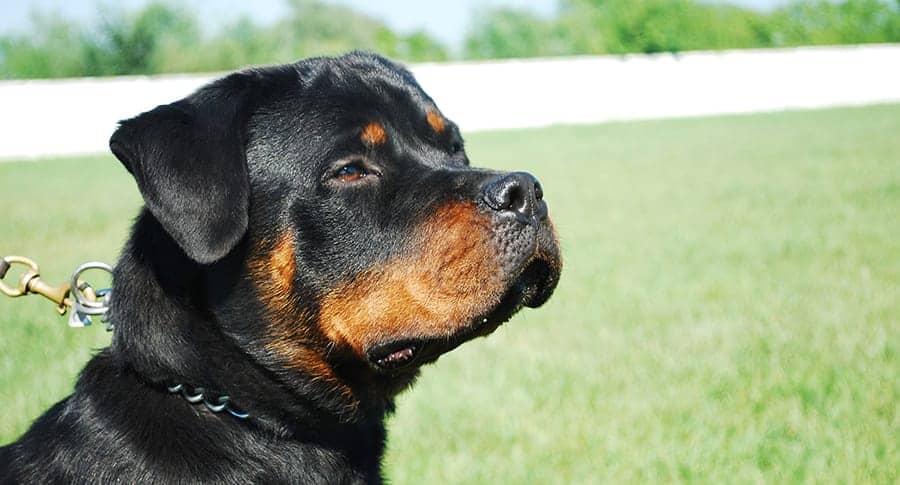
<point>518,193</point>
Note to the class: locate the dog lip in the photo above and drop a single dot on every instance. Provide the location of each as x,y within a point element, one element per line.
<point>535,278</point>
<point>538,280</point>
<point>531,287</point>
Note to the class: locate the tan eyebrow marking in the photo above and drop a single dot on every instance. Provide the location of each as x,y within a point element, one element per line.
<point>436,121</point>
<point>373,134</point>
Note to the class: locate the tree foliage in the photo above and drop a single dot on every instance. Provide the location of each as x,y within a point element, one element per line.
<point>164,37</point>
<point>648,26</point>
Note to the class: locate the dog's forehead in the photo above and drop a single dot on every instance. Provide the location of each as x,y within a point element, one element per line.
<point>333,104</point>
<point>359,73</point>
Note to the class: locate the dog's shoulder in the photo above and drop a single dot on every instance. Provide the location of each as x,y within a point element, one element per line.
<point>113,430</point>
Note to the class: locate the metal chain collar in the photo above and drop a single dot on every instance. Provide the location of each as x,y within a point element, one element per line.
<point>217,405</point>
<point>87,302</point>
<point>76,294</point>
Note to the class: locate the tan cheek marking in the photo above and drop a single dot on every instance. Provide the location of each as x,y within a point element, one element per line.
<point>436,121</point>
<point>452,277</point>
<point>290,338</point>
<point>283,264</point>
<point>373,134</point>
<point>274,275</point>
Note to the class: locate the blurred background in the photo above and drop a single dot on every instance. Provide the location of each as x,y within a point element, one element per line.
<point>724,176</point>
<point>56,38</point>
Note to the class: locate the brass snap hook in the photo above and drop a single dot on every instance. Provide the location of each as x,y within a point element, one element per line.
<point>31,282</point>
<point>32,271</point>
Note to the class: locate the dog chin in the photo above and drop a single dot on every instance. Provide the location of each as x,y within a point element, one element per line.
<point>532,287</point>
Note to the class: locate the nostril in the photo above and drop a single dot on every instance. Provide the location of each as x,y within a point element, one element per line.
<point>515,199</point>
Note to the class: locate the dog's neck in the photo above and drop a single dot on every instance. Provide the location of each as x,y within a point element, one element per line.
<point>166,335</point>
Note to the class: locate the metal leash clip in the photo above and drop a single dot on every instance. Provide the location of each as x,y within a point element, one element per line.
<point>76,294</point>
<point>31,282</point>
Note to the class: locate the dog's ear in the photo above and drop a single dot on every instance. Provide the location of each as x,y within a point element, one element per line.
<point>188,159</point>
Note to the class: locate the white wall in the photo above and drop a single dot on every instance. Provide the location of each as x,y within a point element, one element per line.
<point>76,116</point>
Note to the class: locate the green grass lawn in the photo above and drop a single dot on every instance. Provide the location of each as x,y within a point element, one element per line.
<point>729,309</point>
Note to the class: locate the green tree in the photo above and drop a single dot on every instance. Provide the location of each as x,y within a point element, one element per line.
<point>52,49</point>
<point>509,32</point>
<point>827,23</point>
<point>316,28</point>
<point>623,26</point>
<point>137,43</point>
<point>164,37</point>
<point>648,26</point>
<point>419,46</point>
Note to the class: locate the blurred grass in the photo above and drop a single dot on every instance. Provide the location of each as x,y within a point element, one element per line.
<point>729,309</point>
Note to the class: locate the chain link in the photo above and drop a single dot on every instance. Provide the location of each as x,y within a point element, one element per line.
<point>217,404</point>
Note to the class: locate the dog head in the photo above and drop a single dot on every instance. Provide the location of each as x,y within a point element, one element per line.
<point>345,239</point>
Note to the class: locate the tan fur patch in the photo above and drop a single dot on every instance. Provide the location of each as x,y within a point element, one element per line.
<point>283,265</point>
<point>373,134</point>
<point>274,274</point>
<point>291,339</point>
<point>436,121</point>
<point>448,279</point>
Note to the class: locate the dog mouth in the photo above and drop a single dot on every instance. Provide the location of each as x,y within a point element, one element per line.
<point>532,288</point>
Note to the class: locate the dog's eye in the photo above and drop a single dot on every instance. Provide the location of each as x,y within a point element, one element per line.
<point>456,147</point>
<point>351,172</point>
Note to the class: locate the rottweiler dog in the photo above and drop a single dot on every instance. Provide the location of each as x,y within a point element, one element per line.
<point>312,234</point>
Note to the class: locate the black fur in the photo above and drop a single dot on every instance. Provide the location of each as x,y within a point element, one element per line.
<point>223,173</point>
